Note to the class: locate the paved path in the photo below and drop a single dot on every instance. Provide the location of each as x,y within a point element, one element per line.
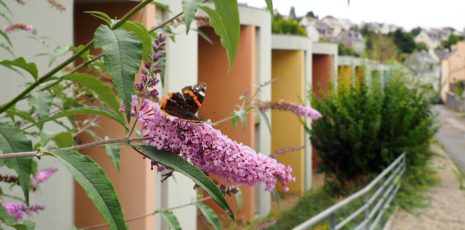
<point>447,208</point>
<point>451,134</point>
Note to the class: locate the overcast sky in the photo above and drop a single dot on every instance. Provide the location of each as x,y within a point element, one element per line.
<point>406,13</point>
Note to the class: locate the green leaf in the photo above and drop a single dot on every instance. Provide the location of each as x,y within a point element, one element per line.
<point>265,118</point>
<point>144,36</point>
<point>122,56</point>
<point>190,8</point>
<point>276,197</point>
<point>10,221</point>
<point>101,15</point>
<point>103,91</point>
<point>7,48</point>
<point>210,215</point>
<point>162,6</point>
<point>176,162</point>
<point>5,36</point>
<point>239,199</point>
<point>5,6</point>
<point>21,63</point>
<point>26,116</point>
<point>170,219</point>
<point>41,102</point>
<point>95,183</point>
<point>204,36</point>
<point>225,21</point>
<point>113,152</point>
<point>63,139</point>
<point>12,140</point>
<point>59,51</point>
<point>85,110</point>
<point>269,5</point>
<point>162,62</point>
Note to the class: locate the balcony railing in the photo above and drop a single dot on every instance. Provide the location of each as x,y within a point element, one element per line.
<point>377,195</point>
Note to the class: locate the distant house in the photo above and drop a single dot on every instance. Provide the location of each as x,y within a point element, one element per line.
<point>334,23</point>
<point>431,39</point>
<point>351,39</point>
<point>453,70</point>
<point>309,24</point>
<point>325,30</point>
<point>425,67</point>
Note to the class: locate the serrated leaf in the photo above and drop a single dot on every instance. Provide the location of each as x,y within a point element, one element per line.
<point>144,36</point>
<point>170,219</point>
<point>12,140</point>
<point>95,183</point>
<point>10,221</point>
<point>63,139</point>
<point>21,63</point>
<point>190,8</point>
<point>113,151</point>
<point>100,15</point>
<point>103,91</point>
<point>177,163</point>
<point>122,56</point>
<point>41,102</point>
<point>269,5</point>
<point>94,110</point>
<point>210,215</point>
<point>226,26</point>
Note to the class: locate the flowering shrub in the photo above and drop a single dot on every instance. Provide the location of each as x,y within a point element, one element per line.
<point>194,149</point>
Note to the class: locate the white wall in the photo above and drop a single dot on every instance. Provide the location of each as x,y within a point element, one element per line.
<point>57,193</point>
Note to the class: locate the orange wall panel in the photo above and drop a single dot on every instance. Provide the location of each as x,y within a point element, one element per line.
<point>135,182</point>
<point>223,92</point>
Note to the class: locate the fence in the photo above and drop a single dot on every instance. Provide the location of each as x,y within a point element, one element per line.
<point>388,184</point>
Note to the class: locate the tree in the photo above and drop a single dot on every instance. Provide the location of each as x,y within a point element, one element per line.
<point>292,13</point>
<point>451,40</point>
<point>310,14</point>
<point>381,47</point>
<point>404,41</point>
<point>415,31</point>
<point>421,46</point>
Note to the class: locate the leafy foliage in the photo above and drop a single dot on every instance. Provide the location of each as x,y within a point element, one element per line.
<point>95,183</point>
<point>177,163</point>
<point>281,25</point>
<point>12,140</point>
<point>21,63</point>
<point>122,55</point>
<point>365,128</point>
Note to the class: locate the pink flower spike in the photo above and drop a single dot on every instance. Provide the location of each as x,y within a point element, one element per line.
<point>210,150</point>
<point>42,176</point>
<point>17,210</point>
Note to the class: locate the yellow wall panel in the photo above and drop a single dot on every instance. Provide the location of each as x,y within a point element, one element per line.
<point>288,70</point>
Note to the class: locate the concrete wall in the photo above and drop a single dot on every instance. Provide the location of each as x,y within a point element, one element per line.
<point>135,182</point>
<point>57,193</point>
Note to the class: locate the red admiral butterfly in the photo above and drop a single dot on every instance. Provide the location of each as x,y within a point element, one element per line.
<point>186,104</point>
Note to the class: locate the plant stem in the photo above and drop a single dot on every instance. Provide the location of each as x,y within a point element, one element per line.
<point>150,214</point>
<point>166,22</point>
<point>70,59</point>
<point>45,77</point>
<point>73,71</point>
<point>76,147</point>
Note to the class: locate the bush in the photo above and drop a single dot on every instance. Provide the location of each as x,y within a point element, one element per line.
<point>364,128</point>
<point>281,25</point>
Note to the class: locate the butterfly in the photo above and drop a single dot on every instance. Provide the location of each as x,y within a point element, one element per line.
<point>185,104</point>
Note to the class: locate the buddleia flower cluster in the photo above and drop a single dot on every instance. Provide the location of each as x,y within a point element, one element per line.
<point>150,69</point>
<point>208,149</point>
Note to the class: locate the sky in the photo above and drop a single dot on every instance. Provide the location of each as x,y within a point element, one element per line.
<point>405,13</point>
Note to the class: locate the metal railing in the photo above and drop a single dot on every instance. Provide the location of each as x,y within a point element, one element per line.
<point>386,185</point>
